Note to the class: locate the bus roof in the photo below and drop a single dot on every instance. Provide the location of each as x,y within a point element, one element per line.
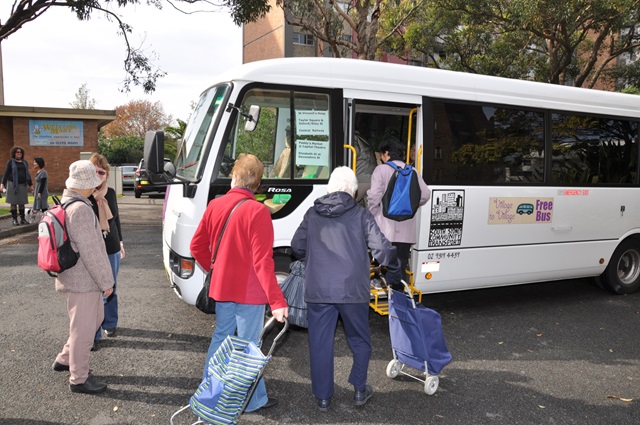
<point>373,76</point>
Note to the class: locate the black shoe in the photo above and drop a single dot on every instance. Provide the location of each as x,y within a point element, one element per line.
<point>88,387</point>
<point>270,403</point>
<point>23,221</point>
<point>59,367</point>
<point>15,221</point>
<point>323,405</point>
<point>361,397</point>
<point>110,332</point>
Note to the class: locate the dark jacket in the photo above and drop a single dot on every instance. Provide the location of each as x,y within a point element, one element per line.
<point>333,238</point>
<point>114,237</point>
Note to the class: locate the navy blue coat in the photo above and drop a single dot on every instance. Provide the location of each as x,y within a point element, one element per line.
<point>334,238</point>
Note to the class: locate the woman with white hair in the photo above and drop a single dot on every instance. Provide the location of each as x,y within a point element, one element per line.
<point>334,238</point>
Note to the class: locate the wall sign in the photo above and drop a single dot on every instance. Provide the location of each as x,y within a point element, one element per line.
<point>56,133</point>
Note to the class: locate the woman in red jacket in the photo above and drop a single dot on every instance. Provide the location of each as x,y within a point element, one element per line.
<point>243,278</point>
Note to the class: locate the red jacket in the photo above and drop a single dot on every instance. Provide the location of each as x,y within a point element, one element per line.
<point>244,270</point>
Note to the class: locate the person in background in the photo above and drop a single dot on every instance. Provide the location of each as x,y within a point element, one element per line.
<point>41,187</point>
<point>15,180</point>
<point>243,280</point>
<point>84,284</point>
<point>105,204</point>
<point>402,234</point>
<point>334,238</point>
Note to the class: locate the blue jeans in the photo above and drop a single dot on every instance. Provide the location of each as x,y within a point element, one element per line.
<point>246,321</point>
<point>111,306</point>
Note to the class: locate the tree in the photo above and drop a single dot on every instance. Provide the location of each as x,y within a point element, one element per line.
<point>559,42</point>
<point>122,149</point>
<point>330,20</point>
<point>140,71</point>
<point>136,118</point>
<point>173,137</point>
<point>83,101</point>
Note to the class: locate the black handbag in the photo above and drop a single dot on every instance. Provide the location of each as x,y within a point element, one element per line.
<point>204,302</point>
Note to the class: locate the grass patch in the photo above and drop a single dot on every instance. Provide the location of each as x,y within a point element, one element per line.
<point>27,206</point>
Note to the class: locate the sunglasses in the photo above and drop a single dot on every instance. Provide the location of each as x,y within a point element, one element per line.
<point>101,172</point>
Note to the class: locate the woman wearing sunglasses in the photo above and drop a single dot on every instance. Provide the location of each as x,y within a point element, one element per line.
<point>105,205</point>
<point>16,178</point>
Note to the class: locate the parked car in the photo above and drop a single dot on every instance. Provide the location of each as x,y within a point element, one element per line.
<point>128,176</point>
<point>142,184</point>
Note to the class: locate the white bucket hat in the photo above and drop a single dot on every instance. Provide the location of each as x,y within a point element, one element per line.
<point>82,175</point>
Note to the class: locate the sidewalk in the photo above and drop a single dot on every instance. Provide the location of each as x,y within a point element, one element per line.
<point>127,203</point>
<point>7,229</point>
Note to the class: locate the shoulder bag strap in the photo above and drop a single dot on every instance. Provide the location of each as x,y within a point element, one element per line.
<point>215,252</point>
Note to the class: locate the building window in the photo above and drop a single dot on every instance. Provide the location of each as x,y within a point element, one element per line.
<point>305,39</point>
<point>346,37</point>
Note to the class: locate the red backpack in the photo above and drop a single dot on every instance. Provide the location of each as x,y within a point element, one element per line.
<point>55,253</point>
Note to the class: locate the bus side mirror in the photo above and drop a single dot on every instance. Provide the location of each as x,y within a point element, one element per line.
<point>252,118</point>
<point>154,151</point>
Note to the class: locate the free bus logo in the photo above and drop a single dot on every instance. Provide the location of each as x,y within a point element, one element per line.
<point>520,210</point>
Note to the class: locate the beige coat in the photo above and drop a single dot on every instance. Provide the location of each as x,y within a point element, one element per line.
<point>93,272</point>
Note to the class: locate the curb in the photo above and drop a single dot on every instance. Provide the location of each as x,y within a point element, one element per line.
<point>7,229</point>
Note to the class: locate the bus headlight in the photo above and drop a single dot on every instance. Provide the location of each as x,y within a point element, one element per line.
<point>181,266</point>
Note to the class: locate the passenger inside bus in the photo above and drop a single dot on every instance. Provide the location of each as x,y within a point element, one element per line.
<point>282,168</point>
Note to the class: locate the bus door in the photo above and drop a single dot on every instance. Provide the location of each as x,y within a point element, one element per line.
<point>368,124</point>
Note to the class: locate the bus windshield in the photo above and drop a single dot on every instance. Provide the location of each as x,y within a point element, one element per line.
<point>189,164</point>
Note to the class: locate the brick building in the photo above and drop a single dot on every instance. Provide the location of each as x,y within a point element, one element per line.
<point>58,135</point>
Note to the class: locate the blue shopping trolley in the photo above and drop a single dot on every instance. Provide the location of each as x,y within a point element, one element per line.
<point>232,375</point>
<point>416,339</point>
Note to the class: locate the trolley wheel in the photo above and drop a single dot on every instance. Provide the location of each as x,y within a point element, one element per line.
<point>393,368</point>
<point>431,384</point>
<point>622,275</point>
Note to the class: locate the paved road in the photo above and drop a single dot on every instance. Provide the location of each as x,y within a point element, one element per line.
<point>552,353</point>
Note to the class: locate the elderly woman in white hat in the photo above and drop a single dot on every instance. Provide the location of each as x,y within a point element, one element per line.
<point>84,284</point>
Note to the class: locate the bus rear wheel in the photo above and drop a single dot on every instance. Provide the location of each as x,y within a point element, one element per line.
<point>622,275</point>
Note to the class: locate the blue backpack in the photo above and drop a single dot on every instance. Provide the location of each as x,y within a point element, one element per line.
<point>402,197</point>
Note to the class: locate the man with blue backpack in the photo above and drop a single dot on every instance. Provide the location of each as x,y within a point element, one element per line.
<point>397,190</point>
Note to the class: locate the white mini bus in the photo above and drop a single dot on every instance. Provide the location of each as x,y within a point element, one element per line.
<point>530,182</point>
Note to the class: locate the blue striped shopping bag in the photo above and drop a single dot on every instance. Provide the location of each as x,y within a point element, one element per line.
<point>231,374</point>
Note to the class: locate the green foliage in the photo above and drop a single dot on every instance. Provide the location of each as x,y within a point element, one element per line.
<point>631,90</point>
<point>257,142</point>
<point>245,11</point>
<point>122,149</point>
<point>552,41</point>
<point>173,136</point>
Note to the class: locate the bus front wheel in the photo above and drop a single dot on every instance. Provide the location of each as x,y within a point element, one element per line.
<point>282,259</point>
<point>622,275</point>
